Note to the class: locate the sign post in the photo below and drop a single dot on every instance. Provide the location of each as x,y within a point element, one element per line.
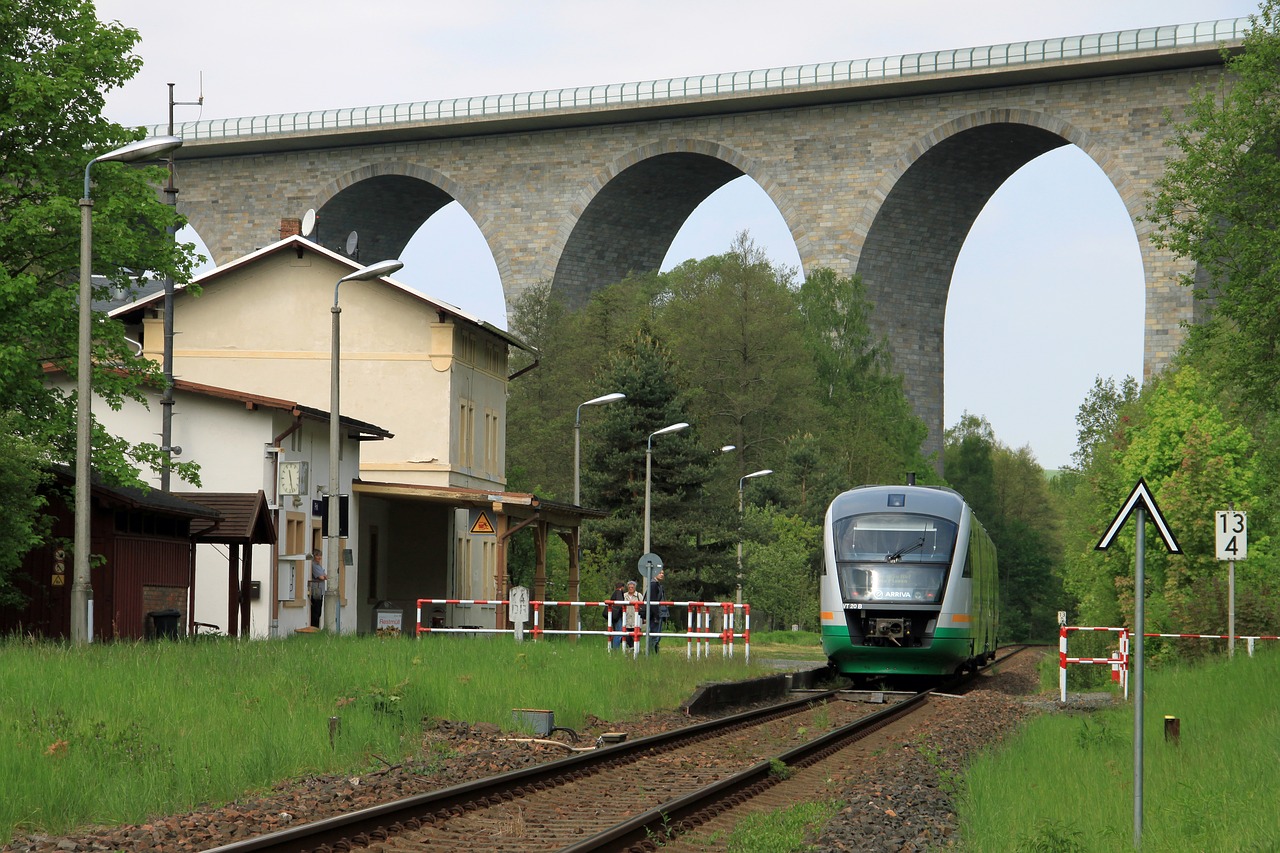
<point>518,609</point>
<point>1231,538</point>
<point>1141,501</point>
<point>649,566</point>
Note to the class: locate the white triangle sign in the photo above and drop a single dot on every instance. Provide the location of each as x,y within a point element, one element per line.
<point>1140,494</point>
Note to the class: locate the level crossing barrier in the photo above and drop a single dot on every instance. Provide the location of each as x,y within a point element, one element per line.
<point>707,623</point>
<point>1119,660</point>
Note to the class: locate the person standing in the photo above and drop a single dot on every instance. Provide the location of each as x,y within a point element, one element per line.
<point>633,601</point>
<point>615,614</point>
<point>657,610</point>
<point>317,585</point>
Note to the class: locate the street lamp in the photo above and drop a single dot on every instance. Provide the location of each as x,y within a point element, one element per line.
<point>143,149</point>
<point>332,539</point>
<point>742,484</point>
<point>648,475</point>
<point>577,428</point>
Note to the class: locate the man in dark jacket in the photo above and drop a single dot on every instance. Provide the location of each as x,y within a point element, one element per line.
<point>657,610</point>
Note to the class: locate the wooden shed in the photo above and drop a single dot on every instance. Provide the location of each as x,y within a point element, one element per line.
<point>142,559</point>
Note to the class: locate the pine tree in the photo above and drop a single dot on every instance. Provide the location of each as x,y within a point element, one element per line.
<point>614,473</point>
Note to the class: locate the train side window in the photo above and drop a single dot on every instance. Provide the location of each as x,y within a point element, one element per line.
<point>968,563</point>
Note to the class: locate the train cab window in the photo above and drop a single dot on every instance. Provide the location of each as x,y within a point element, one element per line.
<point>893,557</point>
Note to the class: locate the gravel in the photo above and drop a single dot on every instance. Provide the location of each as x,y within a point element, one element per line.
<point>907,806</point>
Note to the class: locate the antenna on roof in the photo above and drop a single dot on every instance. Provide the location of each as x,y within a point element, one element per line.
<point>353,241</point>
<point>308,222</point>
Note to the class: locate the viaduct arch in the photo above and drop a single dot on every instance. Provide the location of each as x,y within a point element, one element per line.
<point>879,176</point>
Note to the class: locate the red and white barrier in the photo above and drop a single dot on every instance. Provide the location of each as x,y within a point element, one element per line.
<point>1119,661</point>
<point>697,635</point>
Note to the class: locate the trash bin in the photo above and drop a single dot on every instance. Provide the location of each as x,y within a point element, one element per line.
<point>166,623</point>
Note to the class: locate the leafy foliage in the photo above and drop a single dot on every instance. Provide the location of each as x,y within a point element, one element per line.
<point>1218,204</point>
<point>21,476</point>
<point>56,64</point>
<point>780,577</point>
<point>791,375</point>
<point>1012,498</point>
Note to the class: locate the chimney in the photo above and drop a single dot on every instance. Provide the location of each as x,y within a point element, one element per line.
<point>290,227</point>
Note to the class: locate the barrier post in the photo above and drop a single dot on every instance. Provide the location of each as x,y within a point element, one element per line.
<point>1062,664</point>
<point>1124,655</point>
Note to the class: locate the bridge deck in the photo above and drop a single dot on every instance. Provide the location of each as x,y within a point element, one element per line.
<point>1163,46</point>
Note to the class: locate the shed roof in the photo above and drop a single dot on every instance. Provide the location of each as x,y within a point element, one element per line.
<point>134,497</point>
<point>243,517</point>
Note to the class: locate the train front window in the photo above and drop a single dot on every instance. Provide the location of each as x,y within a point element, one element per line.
<point>893,557</point>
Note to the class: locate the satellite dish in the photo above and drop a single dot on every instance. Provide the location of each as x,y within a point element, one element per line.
<point>353,239</point>
<point>308,222</point>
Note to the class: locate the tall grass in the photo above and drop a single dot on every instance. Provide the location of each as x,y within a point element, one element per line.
<point>1066,784</point>
<point>114,733</point>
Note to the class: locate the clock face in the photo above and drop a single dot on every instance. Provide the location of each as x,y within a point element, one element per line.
<point>289,478</point>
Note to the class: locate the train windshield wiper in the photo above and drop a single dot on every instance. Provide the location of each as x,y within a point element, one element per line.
<point>897,555</point>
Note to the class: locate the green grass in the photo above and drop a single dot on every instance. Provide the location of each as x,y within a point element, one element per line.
<point>1066,783</point>
<point>782,831</point>
<point>787,645</point>
<point>115,733</point>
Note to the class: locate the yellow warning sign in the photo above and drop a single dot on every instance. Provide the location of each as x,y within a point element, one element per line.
<point>482,524</point>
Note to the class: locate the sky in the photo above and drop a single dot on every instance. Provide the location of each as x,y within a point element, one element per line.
<point>1047,294</point>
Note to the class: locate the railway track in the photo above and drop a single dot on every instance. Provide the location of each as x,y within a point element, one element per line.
<point>619,797</point>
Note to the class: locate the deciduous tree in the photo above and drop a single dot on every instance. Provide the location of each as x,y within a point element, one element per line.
<point>1218,204</point>
<point>56,64</point>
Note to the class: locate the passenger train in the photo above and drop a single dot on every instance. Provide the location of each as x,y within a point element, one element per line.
<point>908,585</point>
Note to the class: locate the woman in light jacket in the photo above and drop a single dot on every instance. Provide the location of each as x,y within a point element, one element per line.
<point>631,612</point>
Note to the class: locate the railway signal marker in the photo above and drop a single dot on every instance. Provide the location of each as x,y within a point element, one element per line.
<point>1141,501</point>
<point>1231,535</point>
<point>1140,498</point>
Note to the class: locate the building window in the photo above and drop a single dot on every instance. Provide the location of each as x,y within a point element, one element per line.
<point>466,349</point>
<point>491,433</point>
<point>489,566</point>
<point>293,583</point>
<point>466,433</point>
<point>495,358</point>
<point>462,569</point>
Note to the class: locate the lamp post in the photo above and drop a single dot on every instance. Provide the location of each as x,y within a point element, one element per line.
<point>143,149</point>
<point>742,485</point>
<point>332,538</point>
<point>577,429</point>
<point>648,475</point>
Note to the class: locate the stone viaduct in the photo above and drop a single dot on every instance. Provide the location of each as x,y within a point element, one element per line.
<point>878,167</point>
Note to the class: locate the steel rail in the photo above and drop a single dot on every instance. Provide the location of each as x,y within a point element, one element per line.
<point>686,813</point>
<point>361,827</point>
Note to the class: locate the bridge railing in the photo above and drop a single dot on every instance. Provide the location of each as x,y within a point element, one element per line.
<point>963,59</point>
